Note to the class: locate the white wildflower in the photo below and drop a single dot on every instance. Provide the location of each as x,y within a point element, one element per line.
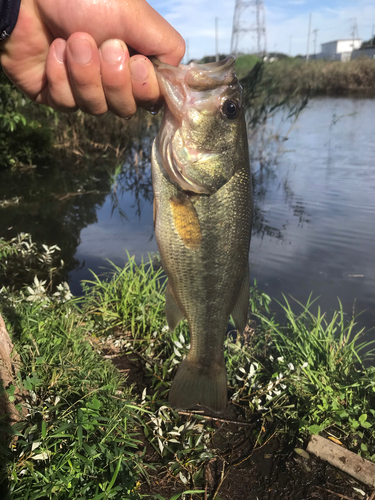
<point>305,365</point>
<point>271,357</point>
<point>252,370</point>
<point>291,366</point>
<point>35,445</point>
<point>41,456</point>
<point>165,328</point>
<point>63,292</point>
<point>280,359</point>
<point>144,395</point>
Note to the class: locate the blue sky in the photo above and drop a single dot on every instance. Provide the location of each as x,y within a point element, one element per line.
<point>286,22</point>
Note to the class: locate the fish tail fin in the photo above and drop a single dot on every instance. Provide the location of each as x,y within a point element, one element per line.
<point>198,384</point>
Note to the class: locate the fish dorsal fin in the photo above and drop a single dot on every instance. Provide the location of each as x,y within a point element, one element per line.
<point>240,310</point>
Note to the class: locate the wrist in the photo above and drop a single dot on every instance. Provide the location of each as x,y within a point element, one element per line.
<point>9,10</point>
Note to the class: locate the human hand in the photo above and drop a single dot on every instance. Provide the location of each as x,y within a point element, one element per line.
<point>52,54</point>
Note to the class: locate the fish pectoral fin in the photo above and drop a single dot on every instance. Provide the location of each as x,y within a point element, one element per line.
<point>185,221</point>
<point>172,311</point>
<point>199,384</point>
<point>240,310</point>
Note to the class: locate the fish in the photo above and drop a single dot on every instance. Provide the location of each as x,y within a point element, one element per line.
<point>203,214</point>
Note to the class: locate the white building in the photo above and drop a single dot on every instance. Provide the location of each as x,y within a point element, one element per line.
<point>339,50</point>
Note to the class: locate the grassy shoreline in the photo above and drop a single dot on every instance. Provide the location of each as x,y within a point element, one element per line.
<point>93,431</point>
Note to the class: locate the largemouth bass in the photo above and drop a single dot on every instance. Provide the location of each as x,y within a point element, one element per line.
<point>203,217</point>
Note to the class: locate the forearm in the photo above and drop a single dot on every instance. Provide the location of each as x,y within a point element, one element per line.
<point>8,16</point>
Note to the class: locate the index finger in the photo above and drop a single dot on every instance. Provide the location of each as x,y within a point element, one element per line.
<point>158,38</point>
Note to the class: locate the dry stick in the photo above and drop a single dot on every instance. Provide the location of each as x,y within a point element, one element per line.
<point>345,460</point>
<point>334,493</point>
<point>208,417</point>
<point>223,477</point>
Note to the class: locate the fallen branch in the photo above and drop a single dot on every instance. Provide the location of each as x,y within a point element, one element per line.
<point>217,419</point>
<point>335,493</point>
<point>345,460</point>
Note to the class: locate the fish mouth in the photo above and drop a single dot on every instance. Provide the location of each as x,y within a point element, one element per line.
<point>177,85</point>
<point>198,76</point>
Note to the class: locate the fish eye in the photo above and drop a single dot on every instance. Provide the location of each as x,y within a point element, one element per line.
<point>230,109</point>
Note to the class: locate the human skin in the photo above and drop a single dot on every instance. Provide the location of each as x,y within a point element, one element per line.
<point>73,54</point>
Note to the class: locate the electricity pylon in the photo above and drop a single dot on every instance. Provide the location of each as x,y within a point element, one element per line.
<point>258,25</point>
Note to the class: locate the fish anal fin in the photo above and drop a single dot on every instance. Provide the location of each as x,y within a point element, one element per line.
<point>240,310</point>
<point>197,384</point>
<point>172,311</point>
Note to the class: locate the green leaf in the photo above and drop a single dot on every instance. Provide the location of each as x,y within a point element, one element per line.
<point>363,418</point>
<point>89,450</point>
<point>188,492</point>
<point>364,447</point>
<point>366,425</point>
<point>79,434</point>
<point>115,474</point>
<point>315,429</point>
<point>302,452</point>
<point>44,429</point>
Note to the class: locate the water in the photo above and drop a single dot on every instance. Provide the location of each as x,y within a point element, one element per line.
<point>322,201</point>
<point>315,225</point>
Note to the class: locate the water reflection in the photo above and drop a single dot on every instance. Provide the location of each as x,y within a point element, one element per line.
<point>314,207</point>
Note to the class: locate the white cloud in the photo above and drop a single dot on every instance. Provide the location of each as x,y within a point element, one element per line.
<point>287,23</point>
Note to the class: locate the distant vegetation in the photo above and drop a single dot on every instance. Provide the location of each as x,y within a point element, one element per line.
<point>245,63</point>
<point>368,43</point>
<point>316,77</point>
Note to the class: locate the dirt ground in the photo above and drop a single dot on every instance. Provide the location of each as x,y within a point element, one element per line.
<point>272,472</point>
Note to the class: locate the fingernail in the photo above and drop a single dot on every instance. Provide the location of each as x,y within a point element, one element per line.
<point>113,51</point>
<point>60,46</point>
<point>139,69</point>
<point>81,51</point>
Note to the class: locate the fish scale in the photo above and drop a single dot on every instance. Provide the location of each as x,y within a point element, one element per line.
<point>203,241</point>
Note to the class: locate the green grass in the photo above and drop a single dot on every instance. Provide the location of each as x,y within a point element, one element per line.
<point>78,439</point>
<point>307,375</point>
<point>294,77</point>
